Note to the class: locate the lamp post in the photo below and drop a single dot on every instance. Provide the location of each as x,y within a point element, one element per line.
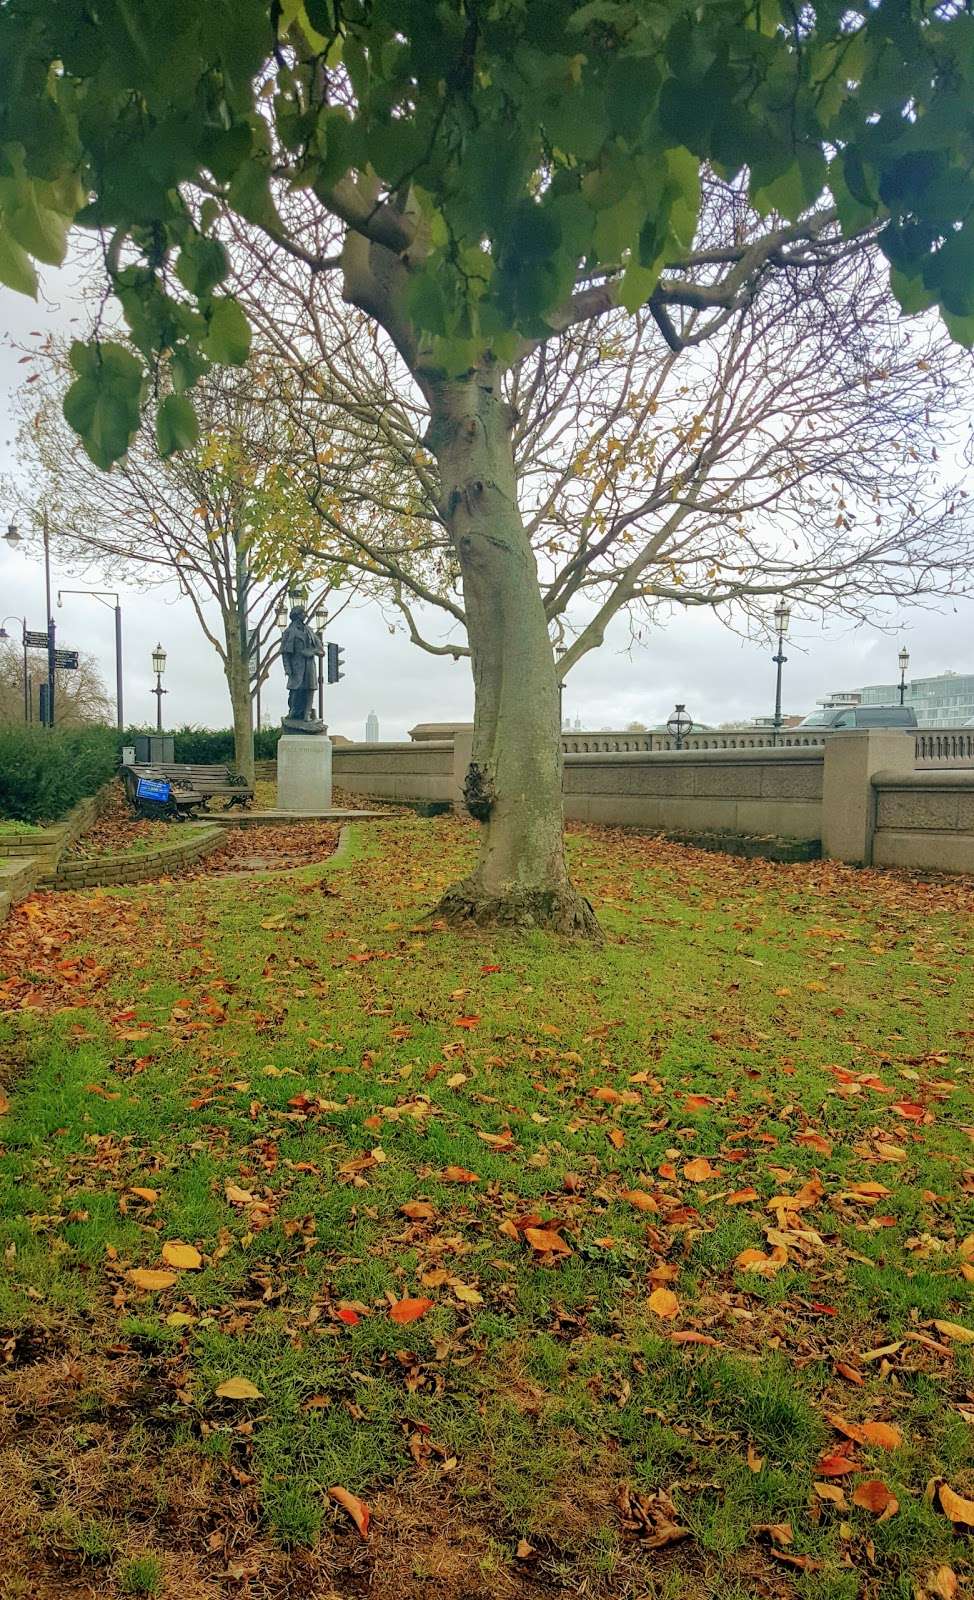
<point>782,617</point>
<point>159,667</point>
<point>23,639</point>
<point>559,654</point>
<point>103,596</point>
<point>12,537</point>
<point>679,725</point>
<point>904,659</point>
<point>320,621</point>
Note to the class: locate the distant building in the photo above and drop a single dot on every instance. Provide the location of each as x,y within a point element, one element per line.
<point>944,701</point>
<point>371,728</point>
<point>843,697</point>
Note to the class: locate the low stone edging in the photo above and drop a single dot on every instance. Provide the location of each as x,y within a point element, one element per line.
<point>135,867</point>
<point>37,854</point>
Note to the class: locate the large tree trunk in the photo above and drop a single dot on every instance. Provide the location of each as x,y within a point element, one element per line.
<point>513,784</point>
<point>238,680</point>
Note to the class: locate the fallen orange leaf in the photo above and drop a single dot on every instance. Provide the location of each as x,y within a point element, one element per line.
<point>873,1495</point>
<point>184,1256</point>
<point>545,1241</point>
<point>663,1303</point>
<point>356,1508</point>
<point>150,1278</point>
<point>409,1310</point>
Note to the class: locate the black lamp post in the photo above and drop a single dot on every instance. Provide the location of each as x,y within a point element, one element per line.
<point>559,654</point>
<point>679,725</point>
<point>12,536</point>
<point>320,621</point>
<point>103,596</point>
<point>904,659</point>
<point>23,638</point>
<point>782,617</point>
<point>159,667</point>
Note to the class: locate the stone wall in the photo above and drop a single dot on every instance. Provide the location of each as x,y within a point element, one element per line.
<point>742,792</point>
<point>924,820</point>
<point>421,770</point>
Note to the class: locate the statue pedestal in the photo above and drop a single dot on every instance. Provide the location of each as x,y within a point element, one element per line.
<point>304,772</point>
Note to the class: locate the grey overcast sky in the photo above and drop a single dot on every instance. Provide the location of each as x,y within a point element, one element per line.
<point>692,657</point>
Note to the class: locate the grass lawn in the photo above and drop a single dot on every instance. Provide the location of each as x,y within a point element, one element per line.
<point>615,1272</point>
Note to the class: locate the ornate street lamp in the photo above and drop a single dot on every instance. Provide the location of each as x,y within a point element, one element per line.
<point>782,617</point>
<point>319,622</point>
<point>281,620</point>
<point>159,667</point>
<point>679,725</point>
<point>904,659</point>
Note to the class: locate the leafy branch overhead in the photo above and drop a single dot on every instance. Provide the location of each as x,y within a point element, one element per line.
<point>524,167</point>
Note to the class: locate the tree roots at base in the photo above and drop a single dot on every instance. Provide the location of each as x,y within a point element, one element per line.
<point>559,910</point>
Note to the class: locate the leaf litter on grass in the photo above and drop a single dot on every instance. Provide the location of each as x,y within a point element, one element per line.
<point>702,1241</point>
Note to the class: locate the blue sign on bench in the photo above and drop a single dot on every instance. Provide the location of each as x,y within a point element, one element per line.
<point>153,789</point>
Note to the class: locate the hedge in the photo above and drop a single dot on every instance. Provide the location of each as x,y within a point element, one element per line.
<point>43,774</point>
<point>208,745</point>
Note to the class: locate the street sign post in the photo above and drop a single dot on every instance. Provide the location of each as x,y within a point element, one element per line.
<point>66,660</point>
<point>35,641</point>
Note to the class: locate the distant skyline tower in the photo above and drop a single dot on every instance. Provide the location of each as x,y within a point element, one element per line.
<point>371,728</point>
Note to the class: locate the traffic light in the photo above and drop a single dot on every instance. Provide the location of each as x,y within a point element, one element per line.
<point>336,657</point>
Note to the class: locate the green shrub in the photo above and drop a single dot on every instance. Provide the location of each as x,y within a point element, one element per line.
<point>206,746</point>
<point>44,773</point>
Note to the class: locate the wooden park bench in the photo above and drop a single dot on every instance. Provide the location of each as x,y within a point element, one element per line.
<point>185,790</point>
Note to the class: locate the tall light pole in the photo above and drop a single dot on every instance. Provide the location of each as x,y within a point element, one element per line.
<point>23,638</point>
<point>159,667</point>
<point>559,654</point>
<point>320,623</point>
<point>782,617</point>
<point>904,659</point>
<point>12,537</point>
<point>103,596</point>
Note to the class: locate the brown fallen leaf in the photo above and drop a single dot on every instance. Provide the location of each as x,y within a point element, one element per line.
<point>418,1210</point>
<point>663,1303</point>
<point>803,1563</point>
<point>640,1199</point>
<point>525,1551</point>
<point>409,1310</point>
<point>699,1170</point>
<point>184,1256</point>
<point>546,1242</point>
<point>874,1495</point>
<point>755,1462</point>
<point>150,1278</point>
<point>780,1533</point>
<point>835,1465</point>
<point>459,1175</point>
<point>150,1196</point>
<point>942,1583</point>
<point>741,1197</point>
<point>833,1493</point>
<point>238,1196</point>
<point>4,1105</point>
<point>238,1389</point>
<point>356,1508</point>
<point>883,1434</point>
<point>955,1331</point>
<point>616,1137</point>
<point>690,1336</point>
<point>955,1506</point>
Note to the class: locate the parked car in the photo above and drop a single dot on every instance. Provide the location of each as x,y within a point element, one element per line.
<point>862,717</point>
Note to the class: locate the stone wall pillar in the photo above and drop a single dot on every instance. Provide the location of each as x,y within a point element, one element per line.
<point>848,796</point>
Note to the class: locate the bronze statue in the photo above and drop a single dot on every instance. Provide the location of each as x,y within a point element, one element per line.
<point>300,648</point>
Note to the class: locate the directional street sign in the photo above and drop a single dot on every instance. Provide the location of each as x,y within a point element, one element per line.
<point>66,658</point>
<point>35,641</point>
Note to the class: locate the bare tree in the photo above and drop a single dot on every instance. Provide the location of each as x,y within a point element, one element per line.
<point>199,517</point>
<point>796,449</point>
<point>80,695</point>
